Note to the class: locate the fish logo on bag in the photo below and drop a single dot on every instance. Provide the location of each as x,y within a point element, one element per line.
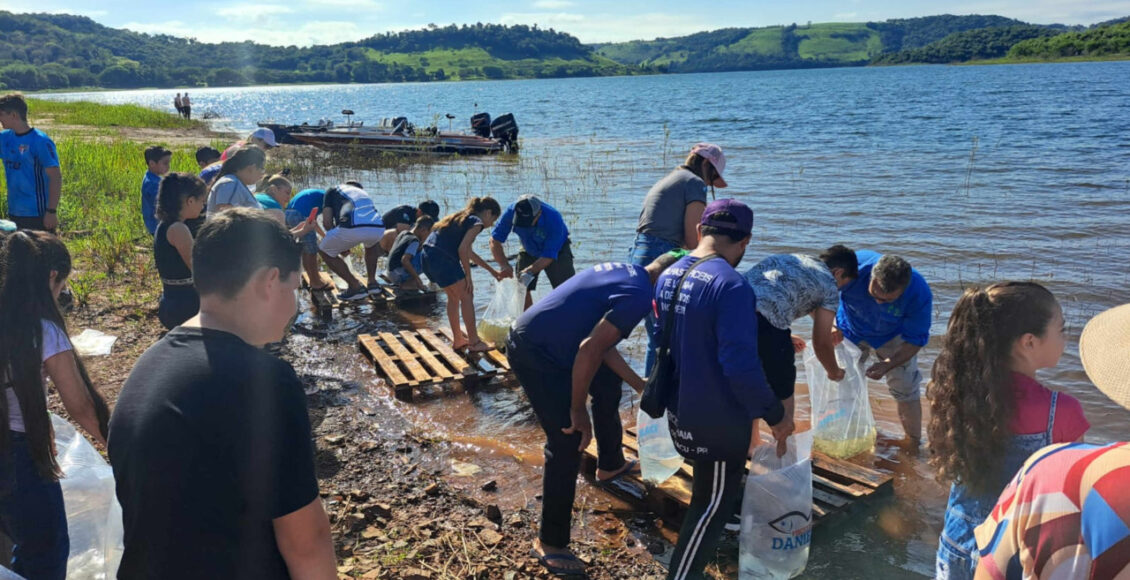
<point>791,522</point>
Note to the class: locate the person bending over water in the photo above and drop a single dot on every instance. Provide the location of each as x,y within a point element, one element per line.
<point>988,413</point>
<point>563,349</point>
<point>447,262</point>
<point>671,211</point>
<point>888,309</point>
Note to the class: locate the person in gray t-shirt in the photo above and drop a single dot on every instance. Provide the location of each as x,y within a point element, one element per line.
<point>672,210</point>
<point>791,286</point>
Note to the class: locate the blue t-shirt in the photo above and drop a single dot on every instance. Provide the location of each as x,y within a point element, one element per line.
<point>447,240</point>
<point>210,172</point>
<point>27,158</point>
<point>542,240</point>
<point>722,387</point>
<point>149,187</point>
<point>862,319</point>
<point>556,324</point>
<point>267,201</point>
<point>307,200</point>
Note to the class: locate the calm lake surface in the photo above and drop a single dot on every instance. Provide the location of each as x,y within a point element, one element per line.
<point>975,174</point>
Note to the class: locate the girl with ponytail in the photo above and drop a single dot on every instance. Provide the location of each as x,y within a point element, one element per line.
<point>988,413</point>
<point>33,347</point>
<point>447,256</point>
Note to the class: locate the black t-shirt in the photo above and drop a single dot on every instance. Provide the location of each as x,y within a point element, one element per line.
<point>401,214</point>
<point>209,441</point>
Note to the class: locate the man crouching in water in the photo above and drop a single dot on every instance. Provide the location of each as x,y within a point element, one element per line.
<point>563,349</point>
<point>721,385</point>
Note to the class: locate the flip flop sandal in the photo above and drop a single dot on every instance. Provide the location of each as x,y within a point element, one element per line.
<point>631,467</point>
<point>546,560</point>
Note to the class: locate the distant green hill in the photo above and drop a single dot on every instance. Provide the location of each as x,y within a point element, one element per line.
<point>1110,41</point>
<point>793,46</point>
<point>980,44</point>
<point>58,51</point>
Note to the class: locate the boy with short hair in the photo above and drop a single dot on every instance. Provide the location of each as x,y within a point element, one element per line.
<point>157,158</point>
<point>31,166</point>
<point>210,439</point>
<point>405,260</point>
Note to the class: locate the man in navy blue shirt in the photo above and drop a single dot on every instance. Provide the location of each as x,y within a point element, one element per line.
<point>545,243</point>
<point>563,349</point>
<point>888,309</point>
<point>722,387</point>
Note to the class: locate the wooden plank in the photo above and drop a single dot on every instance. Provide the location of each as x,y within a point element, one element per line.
<point>493,356</point>
<point>445,351</point>
<point>376,353</point>
<point>834,500</point>
<point>405,356</point>
<point>853,490</point>
<point>498,359</point>
<point>438,369</point>
<point>851,471</point>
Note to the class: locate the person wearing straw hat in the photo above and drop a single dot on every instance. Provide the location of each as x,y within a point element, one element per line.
<point>1066,514</point>
<point>671,213</point>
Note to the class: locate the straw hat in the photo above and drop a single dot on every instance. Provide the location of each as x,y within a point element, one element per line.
<point>1105,350</point>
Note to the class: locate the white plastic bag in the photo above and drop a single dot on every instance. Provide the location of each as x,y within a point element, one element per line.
<point>658,458</point>
<point>505,307</point>
<point>93,343</point>
<point>94,517</point>
<point>842,422</point>
<point>777,511</point>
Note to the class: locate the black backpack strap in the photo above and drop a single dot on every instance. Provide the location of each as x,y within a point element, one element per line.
<point>665,339</point>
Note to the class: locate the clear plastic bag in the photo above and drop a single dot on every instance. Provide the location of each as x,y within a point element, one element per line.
<point>505,307</point>
<point>94,517</point>
<point>842,422</point>
<point>658,458</point>
<point>777,511</point>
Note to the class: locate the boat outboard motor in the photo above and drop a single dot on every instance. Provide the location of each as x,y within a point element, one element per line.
<point>400,125</point>
<point>505,129</point>
<point>480,124</point>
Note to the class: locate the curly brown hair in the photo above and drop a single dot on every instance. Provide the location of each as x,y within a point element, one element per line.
<point>971,387</point>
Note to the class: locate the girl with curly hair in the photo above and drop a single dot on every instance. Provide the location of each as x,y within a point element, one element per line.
<point>988,411</point>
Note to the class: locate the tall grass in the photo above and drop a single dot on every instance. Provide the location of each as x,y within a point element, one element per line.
<point>98,115</point>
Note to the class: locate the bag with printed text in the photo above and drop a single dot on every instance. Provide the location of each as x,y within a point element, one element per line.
<point>777,511</point>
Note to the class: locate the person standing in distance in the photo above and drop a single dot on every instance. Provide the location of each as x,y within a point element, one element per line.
<point>888,309</point>
<point>722,388</point>
<point>31,167</point>
<point>671,213</point>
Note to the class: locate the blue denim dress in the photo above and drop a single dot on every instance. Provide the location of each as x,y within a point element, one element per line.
<point>644,251</point>
<point>957,547</point>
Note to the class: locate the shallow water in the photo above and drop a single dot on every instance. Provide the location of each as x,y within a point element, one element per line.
<point>974,174</point>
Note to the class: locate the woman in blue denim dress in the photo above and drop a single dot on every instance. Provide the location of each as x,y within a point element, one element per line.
<point>988,411</point>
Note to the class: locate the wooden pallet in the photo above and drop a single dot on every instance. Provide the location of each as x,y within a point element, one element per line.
<point>391,295</point>
<point>837,485</point>
<point>324,300</point>
<point>493,357</point>
<point>412,359</point>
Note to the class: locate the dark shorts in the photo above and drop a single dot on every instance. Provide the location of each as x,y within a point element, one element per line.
<point>177,304</point>
<point>29,223</point>
<point>778,360</point>
<point>441,267</point>
<point>558,271</point>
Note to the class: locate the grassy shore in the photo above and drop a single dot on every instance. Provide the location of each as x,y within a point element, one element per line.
<point>101,153</point>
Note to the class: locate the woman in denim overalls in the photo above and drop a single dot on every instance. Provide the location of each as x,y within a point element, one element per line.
<point>988,412</point>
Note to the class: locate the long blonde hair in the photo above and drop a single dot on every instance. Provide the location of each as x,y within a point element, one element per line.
<point>474,206</point>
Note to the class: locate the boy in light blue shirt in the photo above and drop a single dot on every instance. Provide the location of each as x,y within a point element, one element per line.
<point>157,158</point>
<point>31,167</point>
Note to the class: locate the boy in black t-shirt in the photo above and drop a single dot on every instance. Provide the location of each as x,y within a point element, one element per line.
<point>210,440</point>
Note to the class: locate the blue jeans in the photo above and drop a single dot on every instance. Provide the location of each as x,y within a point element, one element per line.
<point>645,250</point>
<point>33,516</point>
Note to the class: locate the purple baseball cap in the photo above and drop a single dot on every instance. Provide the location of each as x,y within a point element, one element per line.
<point>714,155</point>
<point>743,216</point>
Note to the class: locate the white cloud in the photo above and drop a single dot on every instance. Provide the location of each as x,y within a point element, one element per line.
<point>846,16</point>
<point>253,11</point>
<point>351,4</point>
<point>314,32</point>
<point>553,4</point>
<point>1047,11</point>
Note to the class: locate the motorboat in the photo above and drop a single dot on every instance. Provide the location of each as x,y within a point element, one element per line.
<point>397,135</point>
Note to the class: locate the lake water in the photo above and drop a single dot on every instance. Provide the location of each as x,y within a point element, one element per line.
<point>973,173</point>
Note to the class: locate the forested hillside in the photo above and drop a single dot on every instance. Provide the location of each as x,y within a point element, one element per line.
<point>1105,41</point>
<point>50,51</point>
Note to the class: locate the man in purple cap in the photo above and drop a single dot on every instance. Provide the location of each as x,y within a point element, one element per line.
<point>672,210</point>
<point>721,385</point>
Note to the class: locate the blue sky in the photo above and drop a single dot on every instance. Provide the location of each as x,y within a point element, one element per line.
<point>305,22</point>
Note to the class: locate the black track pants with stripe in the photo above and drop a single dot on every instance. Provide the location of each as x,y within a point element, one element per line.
<point>716,495</point>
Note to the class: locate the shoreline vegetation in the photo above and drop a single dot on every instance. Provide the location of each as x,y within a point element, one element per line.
<point>60,52</point>
<point>392,512</point>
